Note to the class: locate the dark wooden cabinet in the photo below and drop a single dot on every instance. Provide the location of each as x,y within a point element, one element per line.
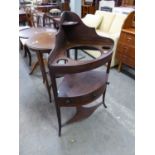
<point>128,2</point>
<point>125,53</point>
<point>87,9</point>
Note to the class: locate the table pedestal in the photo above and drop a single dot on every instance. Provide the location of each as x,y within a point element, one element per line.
<point>43,71</point>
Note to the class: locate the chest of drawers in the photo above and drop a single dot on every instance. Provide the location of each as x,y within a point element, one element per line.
<point>125,53</point>
<point>128,2</point>
<point>87,9</point>
<point>126,48</point>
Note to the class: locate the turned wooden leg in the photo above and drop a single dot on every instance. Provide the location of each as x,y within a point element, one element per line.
<point>29,54</point>
<point>24,49</point>
<point>103,99</point>
<point>119,66</point>
<point>44,19</point>
<point>43,71</point>
<point>68,54</point>
<point>20,45</point>
<point>59,118</point>
<point>34,67</point>
<point>55,25</point>
<point>38,21</point>
<point>45,64</point>
<point>76,54</point>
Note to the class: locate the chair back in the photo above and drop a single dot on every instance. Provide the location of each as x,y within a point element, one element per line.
<point>29,17</point>
<point>55,12</point>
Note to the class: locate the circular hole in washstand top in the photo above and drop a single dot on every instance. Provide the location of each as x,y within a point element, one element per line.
<point>83,53</point>
<point>62,61</point>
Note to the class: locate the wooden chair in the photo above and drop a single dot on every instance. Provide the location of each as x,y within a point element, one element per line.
<point>51,21</point>
<point>81,83</point>
<point>30,17</point>
<point>31,22</point>
<point>22,41</point>
<point>33,17</point>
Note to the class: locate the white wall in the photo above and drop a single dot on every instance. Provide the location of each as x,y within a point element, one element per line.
<point>75,6</point>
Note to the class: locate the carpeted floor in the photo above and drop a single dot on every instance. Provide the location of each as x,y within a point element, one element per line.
<point>107,132</point>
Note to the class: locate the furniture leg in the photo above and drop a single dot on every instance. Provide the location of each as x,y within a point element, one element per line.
<point>25,53</point>
<point>34,67</point>
<point>76,54</point>
<point>29,54</point>
<point>44,18</point>
<point>103,99</point>
<point>59,118</point>
<point>54,24</point>
<point>20,45</point>
<point>42,68</point>
<point>45,63</point>
<point>38,20</point>
<point>68,54</point>
<point>119,66</point>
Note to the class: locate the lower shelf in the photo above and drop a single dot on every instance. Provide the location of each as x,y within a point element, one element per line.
<point>81,88</point>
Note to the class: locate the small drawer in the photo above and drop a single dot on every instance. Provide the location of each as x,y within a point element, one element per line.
<point>81,100</point>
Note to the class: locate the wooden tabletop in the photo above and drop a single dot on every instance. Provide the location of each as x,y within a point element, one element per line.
<point>42,41</point>
<point>27,33</point>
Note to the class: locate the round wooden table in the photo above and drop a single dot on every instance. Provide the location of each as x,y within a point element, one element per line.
<point>41,43</point>
<point>27,33</point>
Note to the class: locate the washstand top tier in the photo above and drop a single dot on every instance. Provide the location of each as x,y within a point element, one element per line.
<point>74,34</point>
